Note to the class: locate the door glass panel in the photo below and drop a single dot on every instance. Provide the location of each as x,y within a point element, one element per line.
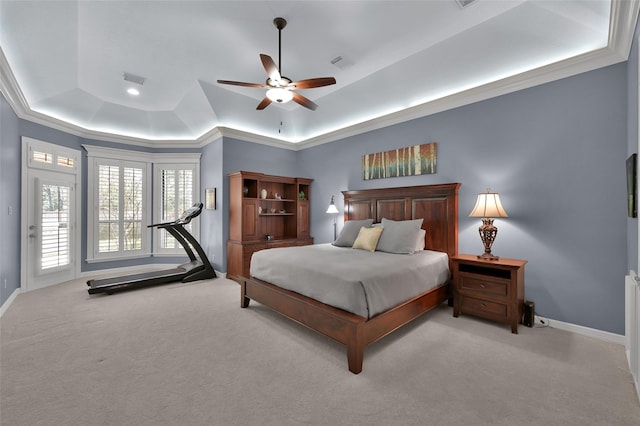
<point>42,157</point>
<point>55,226</point>
<point>65,161</point>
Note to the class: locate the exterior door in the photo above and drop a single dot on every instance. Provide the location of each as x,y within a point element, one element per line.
<point>49,223</point>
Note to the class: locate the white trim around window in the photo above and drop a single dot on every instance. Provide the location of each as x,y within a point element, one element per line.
<point>118,162</point>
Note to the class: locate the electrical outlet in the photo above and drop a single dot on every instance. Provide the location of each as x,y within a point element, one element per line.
<point>541,320</point>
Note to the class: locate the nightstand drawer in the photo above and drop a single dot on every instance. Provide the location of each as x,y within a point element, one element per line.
<point>484,307</point>
<point>482,285</point>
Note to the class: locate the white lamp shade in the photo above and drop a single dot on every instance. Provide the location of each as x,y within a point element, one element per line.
<point>279,95</point>
<point>488,205</point>
<point>332,207</point>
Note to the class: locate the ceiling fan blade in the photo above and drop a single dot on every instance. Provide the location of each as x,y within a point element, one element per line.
<point>270,67</point>
<point>307,103</point>
<point>265,103</point>
<point>240,83</point>
<point>313,82</point>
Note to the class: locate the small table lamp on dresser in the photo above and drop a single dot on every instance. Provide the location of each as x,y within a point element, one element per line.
<point>488,207</point>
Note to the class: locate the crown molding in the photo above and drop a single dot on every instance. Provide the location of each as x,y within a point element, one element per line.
<point>622,25</point>
<point>253,137</point>
<point>623,20</point>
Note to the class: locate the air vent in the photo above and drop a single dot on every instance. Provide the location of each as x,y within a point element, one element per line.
<point>465,3</point>
<point>134,78</point>
<point>341,62</point>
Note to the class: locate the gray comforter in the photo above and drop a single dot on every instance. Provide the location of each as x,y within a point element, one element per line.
<point>357,281</point>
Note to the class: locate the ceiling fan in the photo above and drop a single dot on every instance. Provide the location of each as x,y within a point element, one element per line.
<point>281,88</point>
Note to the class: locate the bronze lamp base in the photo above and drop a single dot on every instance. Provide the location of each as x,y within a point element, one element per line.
<point>488,234</point>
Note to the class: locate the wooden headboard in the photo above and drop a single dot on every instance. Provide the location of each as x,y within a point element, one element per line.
<point>436,204</point>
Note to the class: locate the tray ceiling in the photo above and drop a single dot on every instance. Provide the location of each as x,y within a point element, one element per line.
<point>63,62</point>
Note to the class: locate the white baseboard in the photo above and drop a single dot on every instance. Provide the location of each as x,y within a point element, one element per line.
<point>9,301</point>
<point>585,331</point>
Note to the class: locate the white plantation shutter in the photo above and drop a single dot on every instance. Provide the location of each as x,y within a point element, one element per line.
<point>177,195</point>
<point>120,214</point>
<point>55,226</point>
<point>132,212</point>
<point>108,208</point>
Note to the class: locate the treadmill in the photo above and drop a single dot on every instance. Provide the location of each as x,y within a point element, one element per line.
<point>198,267</point>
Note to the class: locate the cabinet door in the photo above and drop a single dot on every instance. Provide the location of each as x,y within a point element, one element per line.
<point>303,219</point>
<point>249,219</point>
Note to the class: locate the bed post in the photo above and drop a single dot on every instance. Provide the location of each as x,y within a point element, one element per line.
<point>244,300</point>
<point>355,347</point>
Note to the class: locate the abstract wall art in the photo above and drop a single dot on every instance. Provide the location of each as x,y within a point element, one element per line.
<point>410,161</point>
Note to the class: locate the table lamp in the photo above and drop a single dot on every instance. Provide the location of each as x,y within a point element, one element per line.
<point>488,207</point>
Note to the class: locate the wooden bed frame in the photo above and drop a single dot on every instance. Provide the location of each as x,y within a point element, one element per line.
<point>436,204</point>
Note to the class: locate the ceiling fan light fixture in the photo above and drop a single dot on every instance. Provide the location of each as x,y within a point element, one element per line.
<point>279,95</point>
<point>280,88</point>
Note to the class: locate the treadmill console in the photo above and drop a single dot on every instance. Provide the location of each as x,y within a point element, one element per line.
<point>190,213</point>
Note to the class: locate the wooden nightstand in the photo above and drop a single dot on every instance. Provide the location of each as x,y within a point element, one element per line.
<point>492,289</point>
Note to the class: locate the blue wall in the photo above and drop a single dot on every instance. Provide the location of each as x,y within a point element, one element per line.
<point>556,155</point>
<point>212,221</point>
<point>9,200</point>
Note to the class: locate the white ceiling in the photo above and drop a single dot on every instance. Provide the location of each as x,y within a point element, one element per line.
<point>62,62</point>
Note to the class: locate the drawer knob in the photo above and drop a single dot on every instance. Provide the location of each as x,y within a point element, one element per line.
<point>482,286</point>
<point>482,305</point>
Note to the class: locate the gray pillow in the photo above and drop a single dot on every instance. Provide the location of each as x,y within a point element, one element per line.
<point>350,232</point>
<point>399,236</point>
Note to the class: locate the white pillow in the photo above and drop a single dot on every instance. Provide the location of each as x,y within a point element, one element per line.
<point>399,236</point>
<point>420,241</point>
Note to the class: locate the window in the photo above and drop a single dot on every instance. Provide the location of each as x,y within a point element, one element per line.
<point>120,229</point>
<point>176,189</point>
<point>51,157</point>
<point>118,196</point>
<point>120,188</point>
<point>42,157</point>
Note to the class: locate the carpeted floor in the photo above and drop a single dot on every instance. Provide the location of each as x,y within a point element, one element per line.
<point>186,354</point>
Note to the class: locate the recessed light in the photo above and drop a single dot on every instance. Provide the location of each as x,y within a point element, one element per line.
<point>133,91</point>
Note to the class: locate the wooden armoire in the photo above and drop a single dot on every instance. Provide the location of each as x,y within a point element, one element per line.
<point>265,211</point>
